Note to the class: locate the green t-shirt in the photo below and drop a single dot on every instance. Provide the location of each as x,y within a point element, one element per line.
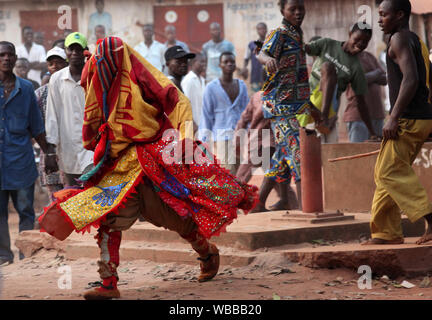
<point>348,67</point>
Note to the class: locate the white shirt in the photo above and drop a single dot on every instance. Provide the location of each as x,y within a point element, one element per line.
<point>193,87</point>
<point>153,54</point>
<point>64,122</point>
<point>37,54</point>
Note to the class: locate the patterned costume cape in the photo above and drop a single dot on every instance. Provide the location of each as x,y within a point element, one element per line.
<point>129,106</point>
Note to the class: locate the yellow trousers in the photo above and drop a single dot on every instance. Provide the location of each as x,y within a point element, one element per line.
<point>398,189</point>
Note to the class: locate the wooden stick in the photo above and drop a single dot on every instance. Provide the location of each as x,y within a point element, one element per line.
<point>361,155</point>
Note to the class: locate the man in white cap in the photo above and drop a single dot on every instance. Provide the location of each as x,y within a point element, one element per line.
<point>56,61</point>
<point>65,112</point>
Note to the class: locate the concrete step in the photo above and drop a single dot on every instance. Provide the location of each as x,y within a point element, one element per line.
<point>392,260</point>
<point>407,259</point>
<point>272,229</point>
<point>156,252</point>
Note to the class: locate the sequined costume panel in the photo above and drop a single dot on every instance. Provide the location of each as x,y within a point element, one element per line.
<point>199,188</point>
<point>95,202</point>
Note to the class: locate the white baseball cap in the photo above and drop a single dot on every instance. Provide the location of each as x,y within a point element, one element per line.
<point>56,51</point>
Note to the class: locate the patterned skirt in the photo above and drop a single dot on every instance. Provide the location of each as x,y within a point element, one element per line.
<point>285,162</point>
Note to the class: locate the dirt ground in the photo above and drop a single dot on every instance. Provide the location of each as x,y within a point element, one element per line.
<point>269,278</point>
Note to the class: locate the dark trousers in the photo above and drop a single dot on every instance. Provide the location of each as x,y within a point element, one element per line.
<point>23,202</point>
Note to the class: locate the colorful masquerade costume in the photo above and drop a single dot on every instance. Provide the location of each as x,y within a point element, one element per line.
<point>130,107</point>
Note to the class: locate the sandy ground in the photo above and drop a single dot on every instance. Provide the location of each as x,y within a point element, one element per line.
<point>38,278</point>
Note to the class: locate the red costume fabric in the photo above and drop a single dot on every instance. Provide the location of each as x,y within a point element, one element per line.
<point>129,106</point>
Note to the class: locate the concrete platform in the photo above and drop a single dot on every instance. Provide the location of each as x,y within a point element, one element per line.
<point>406,259</point>
<point>318,217</point>
<point>253,236</point>
<point>269,229</point>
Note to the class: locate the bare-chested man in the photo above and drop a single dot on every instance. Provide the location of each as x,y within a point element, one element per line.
<point>410,123</point>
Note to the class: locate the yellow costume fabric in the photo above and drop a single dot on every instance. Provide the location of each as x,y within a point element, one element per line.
<point>90,205</point>
<point>139,98</point>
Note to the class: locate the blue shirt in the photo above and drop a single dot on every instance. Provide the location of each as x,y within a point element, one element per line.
<point>20,120</point>
<point>219,116</point>
<point>212,52</point>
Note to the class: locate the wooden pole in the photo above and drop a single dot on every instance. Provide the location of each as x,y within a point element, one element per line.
<point>356,156</point>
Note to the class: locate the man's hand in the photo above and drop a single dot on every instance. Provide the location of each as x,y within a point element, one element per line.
<point>51,163</point>
<point>390,130</point>
<point>272,65</point>
<point>316,114</point>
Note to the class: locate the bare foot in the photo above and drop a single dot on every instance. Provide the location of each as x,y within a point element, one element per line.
<point>382,241</point>
<point>282,206</point>
<point>428,234</point>
<point>259,208</point>
<point>425,238</point>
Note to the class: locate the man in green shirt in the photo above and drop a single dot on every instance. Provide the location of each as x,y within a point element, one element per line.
<point>336,66</point>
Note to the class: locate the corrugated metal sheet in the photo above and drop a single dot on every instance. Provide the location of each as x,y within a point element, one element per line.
<point>421,6</point>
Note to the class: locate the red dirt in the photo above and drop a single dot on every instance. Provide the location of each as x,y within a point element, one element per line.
<point>37,278</point>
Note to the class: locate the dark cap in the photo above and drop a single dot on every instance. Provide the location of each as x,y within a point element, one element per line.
<point>177,52</point>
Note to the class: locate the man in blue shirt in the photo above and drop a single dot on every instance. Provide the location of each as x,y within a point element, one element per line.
<point>257,72</point>
<point>20,121</point>
<point>224,100</point>
<point>213,49</point>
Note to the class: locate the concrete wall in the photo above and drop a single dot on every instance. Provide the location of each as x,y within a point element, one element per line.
<point>349,185</point>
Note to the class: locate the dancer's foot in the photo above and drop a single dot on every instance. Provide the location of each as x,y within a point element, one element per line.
<point>382,241</point>
<point>280,205</point>
<point>259,208</point>
<point>209,265</point>
<point>428,234</point>
<point>107,290</point>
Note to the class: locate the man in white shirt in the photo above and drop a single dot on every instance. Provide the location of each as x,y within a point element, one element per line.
<point>152,50</point>
<point>193,86</point>
<point>65,112</point>
<point>32,52</point>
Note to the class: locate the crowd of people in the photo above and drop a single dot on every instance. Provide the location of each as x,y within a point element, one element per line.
<point>96,103</point>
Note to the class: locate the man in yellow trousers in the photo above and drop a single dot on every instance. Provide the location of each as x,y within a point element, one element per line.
<point>409,125</point>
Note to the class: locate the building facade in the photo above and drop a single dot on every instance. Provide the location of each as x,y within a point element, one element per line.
<point>330,18</point>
